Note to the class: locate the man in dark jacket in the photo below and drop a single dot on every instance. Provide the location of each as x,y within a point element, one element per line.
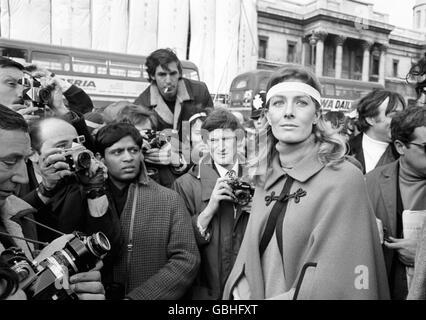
<point>174,99</point>
<point>373,147</point>
<point>219,223</point>
<point>400,186</point>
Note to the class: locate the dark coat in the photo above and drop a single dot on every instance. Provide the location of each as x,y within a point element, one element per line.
<point>195,98</point>
<point>382,192</point>
<point>219,252</point>
<point>355,149</point>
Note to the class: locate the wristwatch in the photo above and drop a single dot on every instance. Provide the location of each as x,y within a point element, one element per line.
<point>48,193</point>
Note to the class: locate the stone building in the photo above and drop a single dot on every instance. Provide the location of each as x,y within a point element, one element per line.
<point>351,47</point>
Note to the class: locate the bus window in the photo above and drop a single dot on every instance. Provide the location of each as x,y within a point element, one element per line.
<point>85,65</point>
<point>51,61</point>
<point>241,84</point>
<point>19,55</point>
<point>124,69</point>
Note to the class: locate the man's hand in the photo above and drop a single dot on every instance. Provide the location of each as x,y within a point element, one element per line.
<point>164,156</point>
<point>53,167</point>
<point>26,112</point>
<point>221,191</point>
<point>88,285</point>
<point>406,249</point>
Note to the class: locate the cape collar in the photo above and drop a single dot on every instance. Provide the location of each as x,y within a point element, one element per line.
<point>301,172</point>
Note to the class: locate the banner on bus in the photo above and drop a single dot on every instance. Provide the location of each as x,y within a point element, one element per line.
<point>107,87</point>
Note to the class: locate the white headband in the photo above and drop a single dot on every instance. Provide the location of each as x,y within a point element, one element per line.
<point>284,87</point>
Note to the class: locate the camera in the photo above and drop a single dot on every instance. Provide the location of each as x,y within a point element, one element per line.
<point>78,158</point>
<point>40,96</point>
<point>242,190</point>
<point>156,139</point>
<point>48,280</point>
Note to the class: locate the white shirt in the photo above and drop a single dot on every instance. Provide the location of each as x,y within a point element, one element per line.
<point>373,150</point>
<point>222,171</point>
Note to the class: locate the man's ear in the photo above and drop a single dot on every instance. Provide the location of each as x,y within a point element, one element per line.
<point>400,147</point>
<point>371,121</point>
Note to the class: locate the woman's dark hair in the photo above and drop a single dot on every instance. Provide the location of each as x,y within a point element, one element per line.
<point>161,57</point>
<point>114,132</point>
<point>9,278</point>
<point>404,123</point>
<point>368,106</point>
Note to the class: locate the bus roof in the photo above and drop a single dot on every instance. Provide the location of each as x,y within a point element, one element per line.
<point>81,51</point>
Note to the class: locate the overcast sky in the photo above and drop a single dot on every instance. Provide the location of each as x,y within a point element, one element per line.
<point>400,11</point>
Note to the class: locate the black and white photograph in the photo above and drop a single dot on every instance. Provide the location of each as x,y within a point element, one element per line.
<point>212,155</point>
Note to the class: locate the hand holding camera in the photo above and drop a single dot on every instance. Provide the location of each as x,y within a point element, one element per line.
<point>48,277</point>
<point>53,167</point>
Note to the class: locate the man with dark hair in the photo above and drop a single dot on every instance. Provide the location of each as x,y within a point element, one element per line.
<point>174,99</point>
<point>372,147</point>
<point>15,150</point>
<point>400,186</point>
<point>158,256</point>
<point>218,222</point>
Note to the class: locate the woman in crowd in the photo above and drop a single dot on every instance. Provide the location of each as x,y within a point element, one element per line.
<point>312,234</point>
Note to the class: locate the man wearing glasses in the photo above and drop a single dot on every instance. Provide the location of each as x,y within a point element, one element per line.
<point>399,186</point>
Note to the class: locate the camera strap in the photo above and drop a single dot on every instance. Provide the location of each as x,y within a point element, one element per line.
<point>130,243</point>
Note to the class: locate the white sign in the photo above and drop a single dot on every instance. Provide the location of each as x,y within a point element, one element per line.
<point>331,104</point>
<point>107,87</point>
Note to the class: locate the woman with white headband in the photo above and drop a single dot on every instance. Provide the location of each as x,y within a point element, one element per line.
<point>312,233</point>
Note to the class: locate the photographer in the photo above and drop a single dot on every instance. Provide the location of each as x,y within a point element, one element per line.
<point>15,150</point>
<point>219,222</point>
<point>145,120</point>
<point>60,193</point>
<point>16,87</point>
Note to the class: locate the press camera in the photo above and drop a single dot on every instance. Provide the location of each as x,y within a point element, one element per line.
<point>48,280</point>
<point>156,140</point>
<point>242,190</point>
<point>77,157</point>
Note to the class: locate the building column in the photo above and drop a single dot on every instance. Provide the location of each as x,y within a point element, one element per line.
<point>319,59</point>
<point>313,42</point>
<point>382,66</point>
<point>305,48</point>
<point>366,61</point>
<point>339,55</point>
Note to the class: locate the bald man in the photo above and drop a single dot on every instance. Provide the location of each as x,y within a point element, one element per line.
<point>53,188</point>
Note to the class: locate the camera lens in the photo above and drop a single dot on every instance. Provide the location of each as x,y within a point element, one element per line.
<point>83,160</point>
<point>99,244</point>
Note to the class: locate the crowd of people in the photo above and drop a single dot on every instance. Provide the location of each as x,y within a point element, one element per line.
<point>198,202</point>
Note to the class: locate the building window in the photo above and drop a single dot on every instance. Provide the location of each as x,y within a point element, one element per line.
<point>395,68</point>
<point>263,45</point>
<point>291,51</point>
<point>375,66</point>
<point>418,19</point>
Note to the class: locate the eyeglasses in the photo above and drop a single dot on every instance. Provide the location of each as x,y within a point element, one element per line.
<point>423,145</point>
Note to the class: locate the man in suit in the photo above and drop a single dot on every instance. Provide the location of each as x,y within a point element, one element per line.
<point>372,147</point>
<point>399,186</point>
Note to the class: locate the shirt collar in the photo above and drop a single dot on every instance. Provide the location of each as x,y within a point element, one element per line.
<point>222,171</point>
<point>302,171</point>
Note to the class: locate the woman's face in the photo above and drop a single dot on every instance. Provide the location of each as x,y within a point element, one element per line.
<point>291,116</point>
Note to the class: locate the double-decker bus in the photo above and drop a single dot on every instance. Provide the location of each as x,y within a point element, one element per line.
<point>105,76</point>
